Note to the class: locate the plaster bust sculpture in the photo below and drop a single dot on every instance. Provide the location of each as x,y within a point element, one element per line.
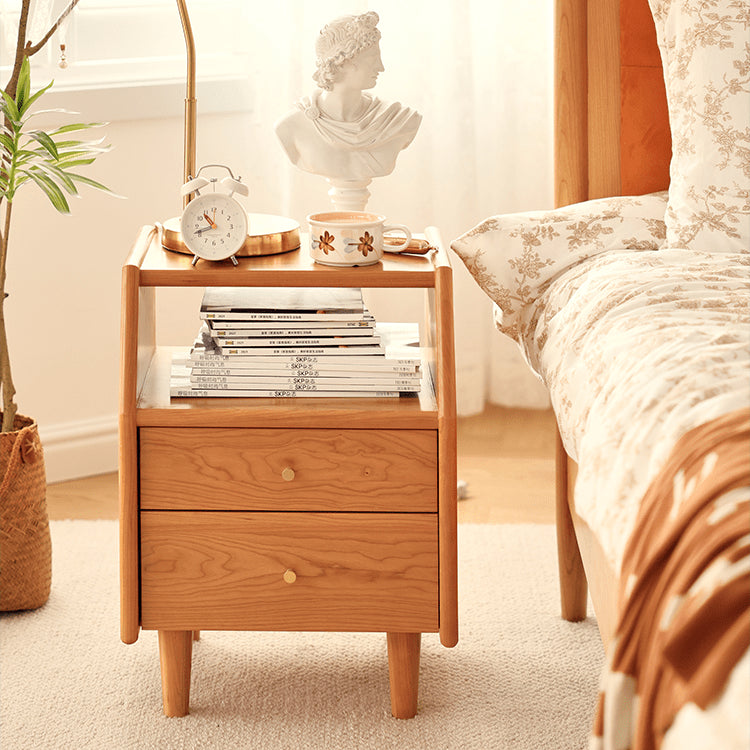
<point>339,131</point>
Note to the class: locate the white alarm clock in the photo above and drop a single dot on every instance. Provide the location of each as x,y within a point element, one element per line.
<point>214,225</point>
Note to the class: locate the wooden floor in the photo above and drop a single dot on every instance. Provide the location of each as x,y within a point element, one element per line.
<point>505,456</point>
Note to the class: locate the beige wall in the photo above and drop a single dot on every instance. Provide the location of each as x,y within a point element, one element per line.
<point>64,284</point>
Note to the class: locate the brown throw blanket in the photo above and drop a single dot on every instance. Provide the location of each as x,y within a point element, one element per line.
<point>684,590</point>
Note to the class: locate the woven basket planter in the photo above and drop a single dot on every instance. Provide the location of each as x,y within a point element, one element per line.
<point>25,547</point>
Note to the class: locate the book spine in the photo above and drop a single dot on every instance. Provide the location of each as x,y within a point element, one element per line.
<point>304,383</point>
<point>183,392</point>
<point>372,375</point>
<point>288,342</point>
<point>298,333</point>
<point>311,351</point>
<point>310,328</point>
<point>284,369</point>
<point>275,316</point>
<point>297,360</point>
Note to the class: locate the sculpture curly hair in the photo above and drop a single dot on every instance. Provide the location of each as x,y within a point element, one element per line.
<point>340,41</point>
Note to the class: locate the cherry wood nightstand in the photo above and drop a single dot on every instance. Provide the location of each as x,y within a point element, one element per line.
<point>321,514</point>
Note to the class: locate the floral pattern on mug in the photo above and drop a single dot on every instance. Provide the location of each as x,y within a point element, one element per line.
<point>365,244</point>
<point>325,242</point>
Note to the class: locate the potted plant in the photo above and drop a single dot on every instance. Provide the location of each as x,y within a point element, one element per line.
<point>48,159</point>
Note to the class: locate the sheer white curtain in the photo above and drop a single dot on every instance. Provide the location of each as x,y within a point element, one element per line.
<point>480,73</point>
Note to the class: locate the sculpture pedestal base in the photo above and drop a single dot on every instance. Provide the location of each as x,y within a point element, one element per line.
<point>349,195</point>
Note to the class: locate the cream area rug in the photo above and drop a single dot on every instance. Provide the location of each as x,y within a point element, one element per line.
<point>520,677</point>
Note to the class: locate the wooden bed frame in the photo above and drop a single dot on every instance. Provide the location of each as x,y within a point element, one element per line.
<point>611,138</point>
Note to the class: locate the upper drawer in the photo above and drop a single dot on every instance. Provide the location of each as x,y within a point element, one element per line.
<point>284,469</point>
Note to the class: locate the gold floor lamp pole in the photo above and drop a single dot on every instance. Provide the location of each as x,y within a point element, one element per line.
<point>269,234</point>
<point>191,103</point>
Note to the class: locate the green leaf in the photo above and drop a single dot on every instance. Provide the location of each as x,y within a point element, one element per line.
<point>51,190</point>
<point>74,126</point>
<point>42,156</point>
<point>71,151</point>
<point>60,177</point>
<point>7,143</point>
<point>30,153</point>
<point>19,180</point>
<point>9,108</point>
<point>81,150</point>
<point>23,87</point>
<point>46,142</point>
<point>93,147</point>
<point>68,163</point>
<point>23,157</point>
<point>36,96</point>
<point>54,111</point>
<point>90,182</point>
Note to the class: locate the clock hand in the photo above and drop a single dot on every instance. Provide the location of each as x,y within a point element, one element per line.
<point>209,220</point>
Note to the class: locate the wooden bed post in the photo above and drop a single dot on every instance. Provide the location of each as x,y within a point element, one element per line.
<point>571,186</point>
<point>573,585</point>
<point>612,137</point>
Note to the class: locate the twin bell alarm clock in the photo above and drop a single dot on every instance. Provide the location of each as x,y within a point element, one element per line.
<point>214,226</point>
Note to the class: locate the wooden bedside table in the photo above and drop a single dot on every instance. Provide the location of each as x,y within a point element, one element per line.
<point>320,514</point>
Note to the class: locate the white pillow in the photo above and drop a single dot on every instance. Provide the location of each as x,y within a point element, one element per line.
<point>514,257</point>
<point>706,60</point>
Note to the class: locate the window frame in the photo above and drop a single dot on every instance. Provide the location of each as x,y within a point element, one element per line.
<point>133,75</point>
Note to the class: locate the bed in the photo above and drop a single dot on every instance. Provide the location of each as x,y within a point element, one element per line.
<point>631,300</point>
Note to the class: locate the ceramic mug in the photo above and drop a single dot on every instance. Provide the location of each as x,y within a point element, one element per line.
<point>351,238</point>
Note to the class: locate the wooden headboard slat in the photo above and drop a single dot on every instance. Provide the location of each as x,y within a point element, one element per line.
<point>603,42</point>
<point>611,121</point>
<point>571,139</point>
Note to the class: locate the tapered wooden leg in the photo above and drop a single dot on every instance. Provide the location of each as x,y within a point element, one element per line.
<point>573,585</point>
<point>175,655</point>
<point>403,669</point>
<point>196,635</point>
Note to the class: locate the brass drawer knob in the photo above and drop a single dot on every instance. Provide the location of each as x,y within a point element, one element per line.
<point>287,474</point>
<point>289,576</point>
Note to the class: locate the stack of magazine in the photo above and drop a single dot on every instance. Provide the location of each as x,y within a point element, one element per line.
<point>290,342</point>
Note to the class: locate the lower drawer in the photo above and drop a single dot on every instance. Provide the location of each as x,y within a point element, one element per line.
<point>289,571</point>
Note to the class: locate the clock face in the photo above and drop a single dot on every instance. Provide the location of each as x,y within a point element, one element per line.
<point>213,226</point>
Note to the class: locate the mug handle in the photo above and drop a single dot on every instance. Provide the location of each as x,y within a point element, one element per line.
<point>387,247</point>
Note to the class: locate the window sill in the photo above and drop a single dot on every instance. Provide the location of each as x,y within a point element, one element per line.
<point>150,100</point>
